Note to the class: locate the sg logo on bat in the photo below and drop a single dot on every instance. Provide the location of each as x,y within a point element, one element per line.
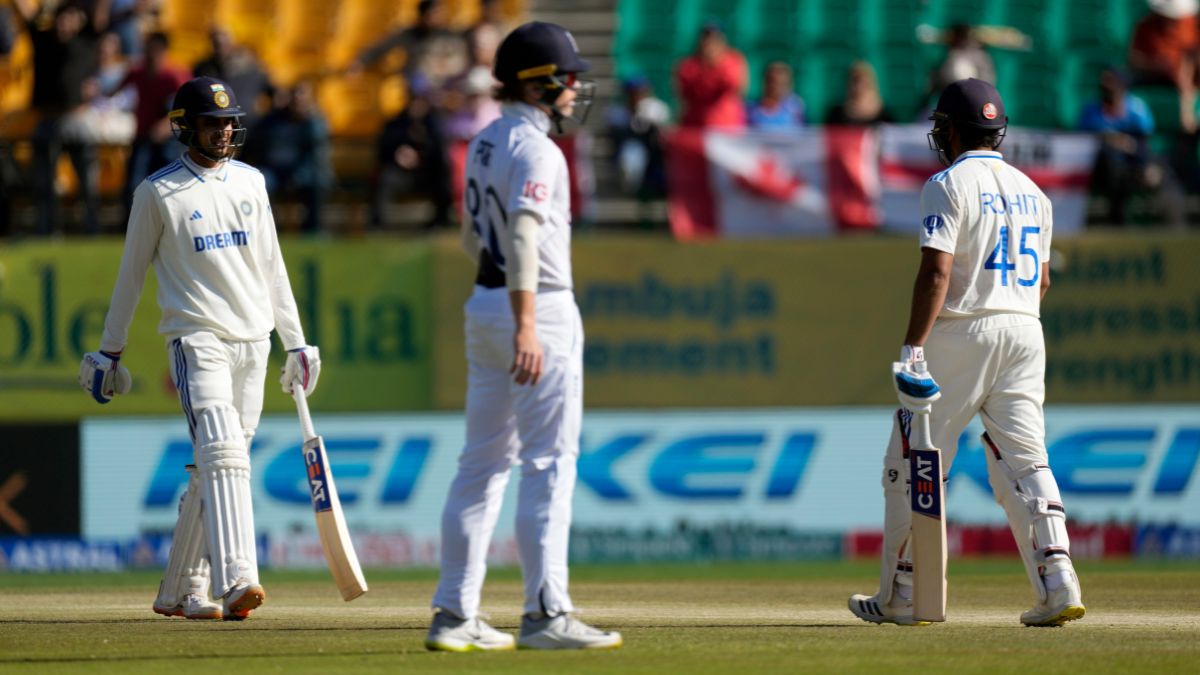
<point>315,464</point>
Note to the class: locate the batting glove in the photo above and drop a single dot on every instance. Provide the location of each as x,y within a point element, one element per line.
<point>302,368</point>
<point>915,387</point>
<point>102,375</point>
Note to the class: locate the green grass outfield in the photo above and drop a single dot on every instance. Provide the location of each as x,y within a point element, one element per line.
<point>728,618</point>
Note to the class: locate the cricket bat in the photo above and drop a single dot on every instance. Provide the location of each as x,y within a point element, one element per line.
<point>331,524</point>
<point>928,541</point>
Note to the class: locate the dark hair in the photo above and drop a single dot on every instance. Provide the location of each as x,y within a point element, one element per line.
<point>511,91</point>
<point>159,37</point>
<point>974,137</point>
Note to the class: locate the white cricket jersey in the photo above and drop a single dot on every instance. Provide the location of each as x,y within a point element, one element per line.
<point>997,223</point>
<point>512,165</point>
<point>211,237</point>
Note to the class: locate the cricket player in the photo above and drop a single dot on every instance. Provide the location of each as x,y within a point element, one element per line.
<point>205,224</point>
<point>985,265</point>
<point>524,343</point>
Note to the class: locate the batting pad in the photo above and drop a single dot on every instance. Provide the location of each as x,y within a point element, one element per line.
<point>224,467</point>
<point>1031,499</point>
<point>187,570</point>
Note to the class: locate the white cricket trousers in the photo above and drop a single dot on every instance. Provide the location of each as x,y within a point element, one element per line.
<point>209,372</point>
<point>536,427</point>
<point>993,365</point>
<point>220,384</point>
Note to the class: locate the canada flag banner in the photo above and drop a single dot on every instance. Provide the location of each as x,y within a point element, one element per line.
<point>825,180</point>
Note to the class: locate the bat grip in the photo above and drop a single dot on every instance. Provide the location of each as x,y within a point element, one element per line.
<point>920,431</point>
<point>306,424</point>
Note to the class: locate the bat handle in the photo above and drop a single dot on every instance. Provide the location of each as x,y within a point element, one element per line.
<point>920,431</point>
<point>306,424</point>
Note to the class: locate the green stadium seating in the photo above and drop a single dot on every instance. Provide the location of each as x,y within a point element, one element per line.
<point>1044,86</point>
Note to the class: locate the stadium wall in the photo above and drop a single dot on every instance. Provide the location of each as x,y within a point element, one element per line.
<point>741,324</point>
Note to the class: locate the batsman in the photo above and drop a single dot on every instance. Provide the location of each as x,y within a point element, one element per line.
<point>205,224</point>
<point>974,323</point>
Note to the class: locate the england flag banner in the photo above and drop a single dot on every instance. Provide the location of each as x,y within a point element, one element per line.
<point>825,180</point>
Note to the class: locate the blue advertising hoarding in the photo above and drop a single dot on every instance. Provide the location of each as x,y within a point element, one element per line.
<point>813,470</point>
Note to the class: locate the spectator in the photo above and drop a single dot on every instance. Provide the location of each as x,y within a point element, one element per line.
<point>237,66</point>
<point>779,108</point>
<point>712,83</point>
<point>483,39</point>
<point>965,57</point>
<point>635,127</point>
<point>1125,164</point>
<point>291,148</point>
<point>1164,52</point>
<point>64,58</point>
<point>863,105</point>
<point>155,80</point>
<point>431,51</point>
<point>412,158</point>
<point>105,119</point>
<point>127,19</point>
<point>478,108</point>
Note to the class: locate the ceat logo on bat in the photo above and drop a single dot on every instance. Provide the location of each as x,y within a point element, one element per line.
<point>314,464</point>
<point>925,470</point>
<point>989,111</point>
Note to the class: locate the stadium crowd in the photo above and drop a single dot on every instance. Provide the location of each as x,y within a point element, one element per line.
<point>104,73</point>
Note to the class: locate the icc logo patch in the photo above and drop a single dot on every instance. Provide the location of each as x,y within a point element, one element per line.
<point>932,223</point>
<point>246,208</point>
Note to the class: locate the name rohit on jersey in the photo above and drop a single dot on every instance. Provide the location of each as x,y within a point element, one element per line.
<point>1016,205</point>
<point>209,242</point>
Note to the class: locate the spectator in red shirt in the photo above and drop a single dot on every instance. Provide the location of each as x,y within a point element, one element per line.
<point>712,83</point>
<point>1165,50</point>
<point>156,81</point>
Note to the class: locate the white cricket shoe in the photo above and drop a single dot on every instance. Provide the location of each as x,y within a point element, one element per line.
<point>192,607</point>
<point>242,599</point>
<point>448,633</point>
<point>564,632</point>
<point>869,608</point>
<point>1061,605</point>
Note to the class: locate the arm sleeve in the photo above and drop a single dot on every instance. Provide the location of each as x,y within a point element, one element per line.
<point>141,243</point>
<point>942,217</point>
<point>283,303</point>
<point>534,171</point>
<point>523,265</point>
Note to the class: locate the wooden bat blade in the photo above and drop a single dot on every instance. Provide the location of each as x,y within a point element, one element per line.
<point>928,541</point>
<point>331,524</point>
<point>340,555</point>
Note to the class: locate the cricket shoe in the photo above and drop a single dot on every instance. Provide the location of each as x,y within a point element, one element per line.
<point>192,607</point>
<point>244,598</point>
<point>1061,605</point>
<point>449,633</point>
<point>564,632</point>
<point>870,608</point>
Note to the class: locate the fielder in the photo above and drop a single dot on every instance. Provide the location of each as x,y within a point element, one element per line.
<point>205,224</point>
<point>524,343</point>
<point>985,250</point>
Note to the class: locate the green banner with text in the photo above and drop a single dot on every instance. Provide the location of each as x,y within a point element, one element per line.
<point>812,323</point>
<point>367,306</point>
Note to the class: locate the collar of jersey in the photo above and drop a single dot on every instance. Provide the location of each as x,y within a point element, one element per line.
<point>978,154</point>
<point>220,171</point>
<point>529,113</point>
